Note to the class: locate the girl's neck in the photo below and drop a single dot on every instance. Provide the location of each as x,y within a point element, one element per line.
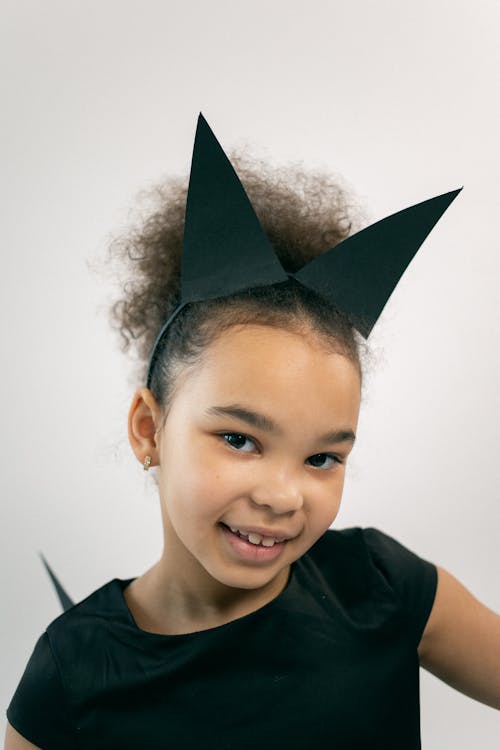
<point>164,609</point>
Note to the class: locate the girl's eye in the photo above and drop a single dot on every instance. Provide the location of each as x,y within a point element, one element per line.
<point>238,438</point>
<point>334,459</point>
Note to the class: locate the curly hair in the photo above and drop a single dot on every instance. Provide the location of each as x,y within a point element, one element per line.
<point>303,214</point>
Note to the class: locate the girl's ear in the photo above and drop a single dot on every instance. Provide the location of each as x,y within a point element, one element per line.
<point>143,425</point>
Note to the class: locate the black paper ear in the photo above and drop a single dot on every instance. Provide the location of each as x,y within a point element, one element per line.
<point>225,249</point>
<point>360,273</point>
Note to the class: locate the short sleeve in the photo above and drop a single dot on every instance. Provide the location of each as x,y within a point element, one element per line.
<point>38,709</point>
<point>413,579</point>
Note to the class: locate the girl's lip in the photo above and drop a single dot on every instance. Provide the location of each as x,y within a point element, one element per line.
<point>248,551</point>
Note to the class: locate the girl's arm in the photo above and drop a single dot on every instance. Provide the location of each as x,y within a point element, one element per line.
<point>461,642</point>
<point>16,741</point>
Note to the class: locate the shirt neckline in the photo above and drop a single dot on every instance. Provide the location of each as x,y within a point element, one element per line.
<point>122,583</point>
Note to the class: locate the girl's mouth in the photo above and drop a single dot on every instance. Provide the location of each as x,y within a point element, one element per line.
<point>249,551</point>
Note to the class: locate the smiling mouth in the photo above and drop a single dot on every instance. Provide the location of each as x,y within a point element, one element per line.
<point>245,537</point>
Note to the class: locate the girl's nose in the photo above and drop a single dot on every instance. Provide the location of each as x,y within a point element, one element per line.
<point>279,492</point>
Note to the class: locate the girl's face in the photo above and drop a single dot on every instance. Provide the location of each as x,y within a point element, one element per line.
<point>215,468</point>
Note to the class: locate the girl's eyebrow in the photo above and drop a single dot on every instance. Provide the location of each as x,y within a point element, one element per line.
<point>262,422</point>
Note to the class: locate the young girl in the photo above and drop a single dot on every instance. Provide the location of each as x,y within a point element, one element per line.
<point>259,623</point>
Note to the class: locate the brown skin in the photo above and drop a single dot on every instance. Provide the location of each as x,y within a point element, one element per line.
<point>198,583</point>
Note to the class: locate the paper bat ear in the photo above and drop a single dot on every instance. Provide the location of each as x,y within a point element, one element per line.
<point>360,273</point>
<point>225,249</point>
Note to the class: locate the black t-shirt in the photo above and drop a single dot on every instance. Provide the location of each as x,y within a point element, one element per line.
<point>330,662</point>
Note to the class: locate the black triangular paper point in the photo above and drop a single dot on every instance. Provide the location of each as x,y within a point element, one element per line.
<point>64,599</point>
<point>360,273</point>
<point>225,248</point>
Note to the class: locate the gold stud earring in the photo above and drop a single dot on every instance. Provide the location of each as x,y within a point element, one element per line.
<point>147,463</point>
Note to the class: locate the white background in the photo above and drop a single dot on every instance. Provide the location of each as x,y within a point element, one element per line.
<point>100,99</point>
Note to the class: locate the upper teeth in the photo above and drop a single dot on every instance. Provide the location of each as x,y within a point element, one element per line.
<point>266,541</point>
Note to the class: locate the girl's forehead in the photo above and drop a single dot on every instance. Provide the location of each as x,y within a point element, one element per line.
<point>274,367</point>
<point>247,342</point>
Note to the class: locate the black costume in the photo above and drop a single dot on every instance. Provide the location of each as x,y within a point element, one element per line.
<point>331,662</point>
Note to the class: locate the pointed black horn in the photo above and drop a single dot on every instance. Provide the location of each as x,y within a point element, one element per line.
<point>360,273</point>
<point>225,249</point>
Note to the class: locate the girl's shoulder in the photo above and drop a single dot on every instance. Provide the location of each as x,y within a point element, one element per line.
<point>41,708</point>
<point>375,578</point>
